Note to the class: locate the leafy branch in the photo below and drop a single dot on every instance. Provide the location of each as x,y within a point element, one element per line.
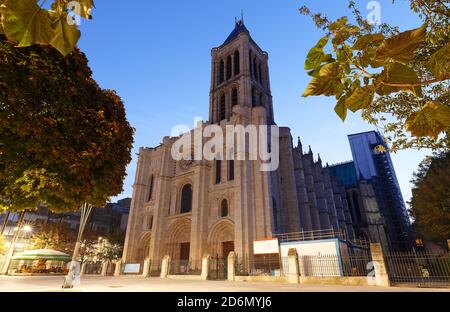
<point>27,22</point>
<point>359,64</point>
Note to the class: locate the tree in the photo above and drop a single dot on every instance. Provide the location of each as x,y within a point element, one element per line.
<point>86,250</point>
<point>27,22</point>
<point>53,236</point>
<point>399,81</point>
<point>100,250</point>
<point>430,203</point>
<point>64,141</point>
<point>107,251</point>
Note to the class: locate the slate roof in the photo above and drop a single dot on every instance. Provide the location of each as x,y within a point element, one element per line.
<point>239,28</point>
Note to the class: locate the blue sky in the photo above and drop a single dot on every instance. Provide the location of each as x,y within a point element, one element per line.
<point>156,55</point>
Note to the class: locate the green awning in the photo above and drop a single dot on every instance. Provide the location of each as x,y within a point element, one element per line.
<point>43,254</point>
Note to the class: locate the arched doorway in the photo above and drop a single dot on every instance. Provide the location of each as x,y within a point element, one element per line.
<point>221,239</point>
<point>178,240</point>
<point>144,246</point>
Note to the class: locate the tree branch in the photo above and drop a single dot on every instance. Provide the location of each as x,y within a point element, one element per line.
<point>405,85</point>
<point>416,84</point>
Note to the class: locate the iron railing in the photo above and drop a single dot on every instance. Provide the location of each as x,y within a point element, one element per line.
<point>357,264</point>
<point>319,266</point>
<point>320,234</point>
<point>422,269</point>
<point>263,267</point>
<point>334,265</point>
<point>185,267</point>
<point>309,235</point>
<point>155,268</point>
<point>93,268</point>
<point>218,268</point>
<point>111,268</point>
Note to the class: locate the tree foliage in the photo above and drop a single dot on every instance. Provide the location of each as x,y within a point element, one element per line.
<point>53,236</point>
<point>397,80</point>
<point>100,250</point>
<point>430,203</point>
<point>28,22</point>
<point>63,140</point>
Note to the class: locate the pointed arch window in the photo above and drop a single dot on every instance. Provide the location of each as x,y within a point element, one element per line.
<point>260,74</point>
<point>229,67</point>
<point>221,71</point>
<point>224,208</point>
<point>254,100</point>
<point>261,99</point>
<point>255,69</point>
<point>218,171</point>
<point>250,63</point>
<point>150,223</point>
<point>237,63</point>
<point>234,97</point>
<point>186,199</point>
<point>222,108</point>
<point>231,170</point>
<point>150,189</point>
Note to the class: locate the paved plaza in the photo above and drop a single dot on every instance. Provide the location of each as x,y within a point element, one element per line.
<point>141,284</point>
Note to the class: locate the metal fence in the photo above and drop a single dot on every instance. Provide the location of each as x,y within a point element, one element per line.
<point>155,268</point>
<point>111,268</point>
<point>263,267</point>
<point>319,266</point>
<point>185,267</point>
<point>321,234</point>
<point>310,235</point>
<point>422,269</point>
<point>334,265</point>
<point>218,268</point>
<point>93,268</point>
<point>357,265</point>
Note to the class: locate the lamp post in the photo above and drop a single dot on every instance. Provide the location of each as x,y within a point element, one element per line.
<point>12,247</point>
<point>74,272</point>
<point>5,222</point>
<point>24,235</point>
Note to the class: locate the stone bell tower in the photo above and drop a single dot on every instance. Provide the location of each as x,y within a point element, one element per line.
<point>239,76</point>
<point>240,95</point>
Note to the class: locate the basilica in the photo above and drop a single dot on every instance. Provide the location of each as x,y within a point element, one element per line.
<point>186,209</point>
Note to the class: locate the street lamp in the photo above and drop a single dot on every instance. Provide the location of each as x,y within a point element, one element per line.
<point>27,228</point>
<point>12,246</point>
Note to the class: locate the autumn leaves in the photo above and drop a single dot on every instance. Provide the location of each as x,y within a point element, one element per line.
<point>364,65</point>
<point>26,22</point>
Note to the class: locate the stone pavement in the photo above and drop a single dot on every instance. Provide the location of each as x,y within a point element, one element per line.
<point>140,284</point>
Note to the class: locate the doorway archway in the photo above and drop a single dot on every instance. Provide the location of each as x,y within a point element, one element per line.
<point>221,238</point>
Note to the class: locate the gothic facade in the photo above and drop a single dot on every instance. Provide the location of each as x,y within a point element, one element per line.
<point>186,209</point>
